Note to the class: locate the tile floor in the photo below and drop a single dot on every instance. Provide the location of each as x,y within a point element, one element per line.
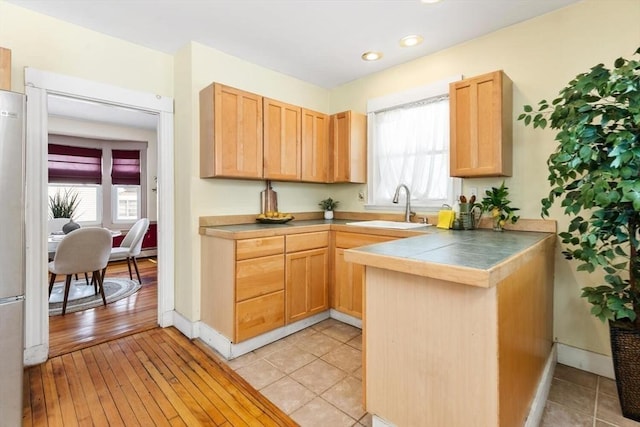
<point>579,398</point>
<point>315,376</point>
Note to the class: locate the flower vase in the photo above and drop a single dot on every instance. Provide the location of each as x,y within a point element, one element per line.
<point>328,214</point>
<point>70,226</point>
<point>497,224</point>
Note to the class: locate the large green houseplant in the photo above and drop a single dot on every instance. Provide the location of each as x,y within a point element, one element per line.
<point>595,174</point>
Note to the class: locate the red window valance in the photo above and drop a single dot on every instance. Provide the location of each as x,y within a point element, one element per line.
<point>74,165</point>
<point>125,169</point>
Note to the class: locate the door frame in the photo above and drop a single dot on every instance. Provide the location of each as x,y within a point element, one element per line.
<point>38,85</point>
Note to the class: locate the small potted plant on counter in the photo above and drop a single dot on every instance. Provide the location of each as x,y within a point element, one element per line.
<point>595,173</point>
<point>497,203</point>
<point>328,205</point>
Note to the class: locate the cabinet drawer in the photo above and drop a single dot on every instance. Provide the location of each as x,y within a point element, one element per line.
<point>259,276</point>
<point>259,315</point>
<point>353,240</point>
<point>306,241</point>
<point>254,248</point>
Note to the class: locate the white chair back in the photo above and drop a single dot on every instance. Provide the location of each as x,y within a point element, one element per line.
<point>82,250</point>
<point>133,239</point>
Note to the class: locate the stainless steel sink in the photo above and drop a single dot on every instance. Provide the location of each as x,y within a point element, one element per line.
<point>388,224</point>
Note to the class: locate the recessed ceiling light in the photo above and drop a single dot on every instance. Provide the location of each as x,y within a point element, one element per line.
<point>411,40</point>
<point>429,1</point>
<point>371,56</point>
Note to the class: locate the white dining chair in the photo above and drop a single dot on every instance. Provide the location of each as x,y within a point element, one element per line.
<point>85,249</point>
<point>54,226</point>
<point>131,246</point>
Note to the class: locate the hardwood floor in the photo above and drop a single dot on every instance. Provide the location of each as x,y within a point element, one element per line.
<point>152,378</point>
<point>75,331</point>
<point>113,366</point>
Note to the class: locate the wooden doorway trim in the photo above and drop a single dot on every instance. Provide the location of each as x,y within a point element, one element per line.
<point>38,85</point>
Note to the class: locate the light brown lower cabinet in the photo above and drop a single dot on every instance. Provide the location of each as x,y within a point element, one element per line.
<point>307,274</point>
<point>243,286</point>
<point>307,284</point>
<point>252,286</point>
<point>348,283</point>
<point>259,315</point>
<point>348,280</point>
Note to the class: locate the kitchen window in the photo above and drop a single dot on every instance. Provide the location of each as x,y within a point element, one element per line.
<point>109,177</point>
<point>409,144</point>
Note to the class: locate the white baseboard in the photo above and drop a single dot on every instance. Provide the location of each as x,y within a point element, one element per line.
<point>167,318</point>
<point>586,360</point>
<point>36,354</point>
<point>215,340</point>
<point>229,350</point>
<point>345,318</point>
<point>540,399</point>
<point>187,327</point>
<point>376,421</point>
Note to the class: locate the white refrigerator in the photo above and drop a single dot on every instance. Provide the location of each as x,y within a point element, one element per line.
<point>12,255</point>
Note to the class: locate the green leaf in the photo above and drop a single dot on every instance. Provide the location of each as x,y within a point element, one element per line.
<point>595,168</point>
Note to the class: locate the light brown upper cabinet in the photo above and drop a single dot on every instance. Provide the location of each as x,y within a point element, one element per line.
<point>481,126</point>
<point>315,146</point>
<point>230,133</point>
<point>282,140</point>
<point>244,135</point>
<point>349,146</point>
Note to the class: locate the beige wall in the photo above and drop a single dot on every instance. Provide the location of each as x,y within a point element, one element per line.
<point>49,44</point>
<point>540,55</point>
<point>197,66</point>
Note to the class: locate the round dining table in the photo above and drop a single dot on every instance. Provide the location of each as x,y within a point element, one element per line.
<point>53,240</point>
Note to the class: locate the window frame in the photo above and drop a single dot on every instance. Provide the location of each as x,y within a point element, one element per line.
<point>108,195</point>
<point>393,101</point>
<point>99,209</point>
<point>114,203</point>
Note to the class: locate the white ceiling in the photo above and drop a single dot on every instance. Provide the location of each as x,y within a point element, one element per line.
<point>317,41</point>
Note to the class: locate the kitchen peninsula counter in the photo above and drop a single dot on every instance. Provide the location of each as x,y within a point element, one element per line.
<point>457,326</point>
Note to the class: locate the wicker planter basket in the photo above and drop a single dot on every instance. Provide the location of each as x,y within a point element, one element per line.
<point>625,349</point>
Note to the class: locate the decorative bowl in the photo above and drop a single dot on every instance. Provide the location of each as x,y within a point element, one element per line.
<point>274,220</point>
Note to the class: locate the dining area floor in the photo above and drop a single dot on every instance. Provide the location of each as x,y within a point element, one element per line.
<point>129,315</point>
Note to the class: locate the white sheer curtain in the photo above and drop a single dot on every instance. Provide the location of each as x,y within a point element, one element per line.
<point>410,145</point>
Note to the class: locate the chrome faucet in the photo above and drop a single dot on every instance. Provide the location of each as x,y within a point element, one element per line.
<point>407,209</point>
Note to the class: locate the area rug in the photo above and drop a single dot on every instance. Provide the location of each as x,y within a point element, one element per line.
<point>82,297</point>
